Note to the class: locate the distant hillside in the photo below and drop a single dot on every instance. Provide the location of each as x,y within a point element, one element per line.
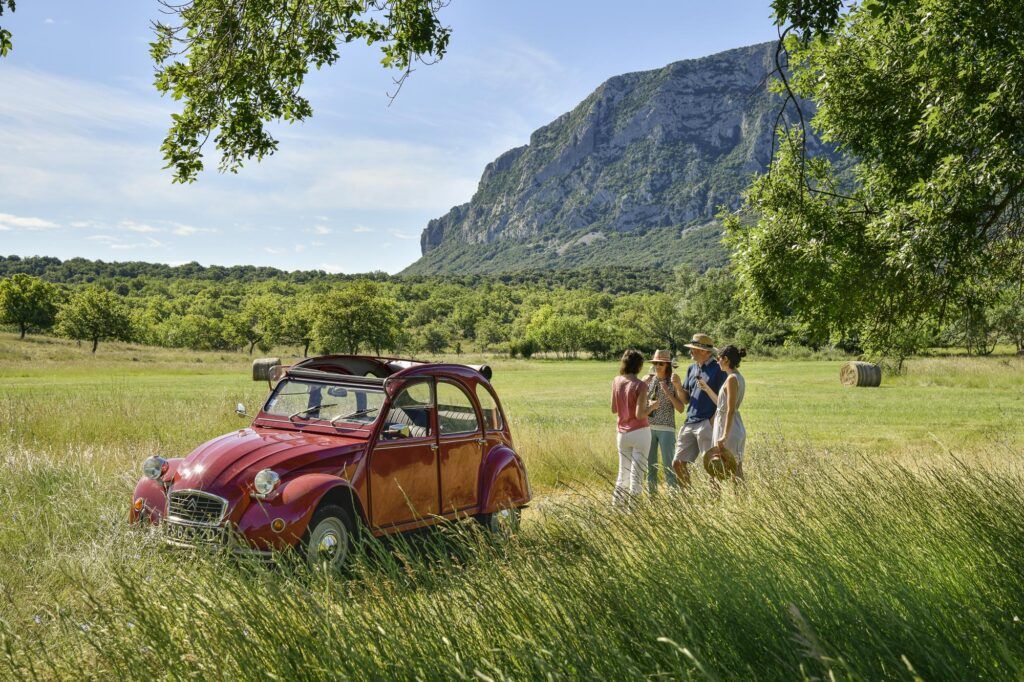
<point>128,276</point>
<point>634,175</point>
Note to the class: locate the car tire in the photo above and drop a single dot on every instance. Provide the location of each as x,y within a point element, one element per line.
<point>330,538</point>
<point>503,522</point>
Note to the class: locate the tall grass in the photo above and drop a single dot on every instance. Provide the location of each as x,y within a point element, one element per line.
<point>858,573</point>
<point>859,548</point>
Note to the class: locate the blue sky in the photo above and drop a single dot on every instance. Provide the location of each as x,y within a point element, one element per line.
<point>351,188</point>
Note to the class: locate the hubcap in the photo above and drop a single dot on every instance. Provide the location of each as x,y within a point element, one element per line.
<point>505,521</point>
<point>328,543</point>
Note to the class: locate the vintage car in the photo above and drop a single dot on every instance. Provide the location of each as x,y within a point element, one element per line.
<point>344,445</point>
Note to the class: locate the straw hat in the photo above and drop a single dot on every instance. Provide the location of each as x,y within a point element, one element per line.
<point>663,356</point>
<point>702,342</point>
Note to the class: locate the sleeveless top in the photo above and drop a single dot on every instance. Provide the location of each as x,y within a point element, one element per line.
<point>626,393</point>
<point>664,418</point>
<point>737,434</point>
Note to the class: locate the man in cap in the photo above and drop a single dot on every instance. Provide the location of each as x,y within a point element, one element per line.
<point>695,437</point>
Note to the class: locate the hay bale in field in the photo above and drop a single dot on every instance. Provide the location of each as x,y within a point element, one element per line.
<point>857,373</point>
<point>261,368</point>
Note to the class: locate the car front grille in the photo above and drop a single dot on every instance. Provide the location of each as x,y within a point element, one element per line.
<point>195,507</point>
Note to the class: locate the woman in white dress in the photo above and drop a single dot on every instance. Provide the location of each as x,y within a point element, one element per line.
<point>725,459</point>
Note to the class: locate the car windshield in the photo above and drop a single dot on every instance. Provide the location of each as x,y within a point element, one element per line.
<point>302,400</point>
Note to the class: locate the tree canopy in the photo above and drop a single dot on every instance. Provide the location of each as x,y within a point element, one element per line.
<point>927,98</point>
<point>5,35</point>
<point>95,314</point>
<point>236,66</point>
<point>28,302</point>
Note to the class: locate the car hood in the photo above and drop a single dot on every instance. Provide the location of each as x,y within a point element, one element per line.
<point>232,460</point>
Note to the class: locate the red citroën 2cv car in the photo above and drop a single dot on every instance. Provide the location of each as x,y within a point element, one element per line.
<point>344,444</point>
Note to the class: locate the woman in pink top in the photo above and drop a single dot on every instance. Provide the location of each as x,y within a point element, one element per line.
<point>629,404</point>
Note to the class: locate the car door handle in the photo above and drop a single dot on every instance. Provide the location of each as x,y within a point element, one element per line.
<point>433,446</point>
<point>482,441</point>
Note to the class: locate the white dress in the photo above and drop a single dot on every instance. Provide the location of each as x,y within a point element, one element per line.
<point>737,434</point>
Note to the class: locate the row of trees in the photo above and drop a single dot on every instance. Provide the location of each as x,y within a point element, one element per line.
<point>369,315</point>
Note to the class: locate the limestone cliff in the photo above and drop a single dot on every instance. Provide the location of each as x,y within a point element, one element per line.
<point>642,165</point>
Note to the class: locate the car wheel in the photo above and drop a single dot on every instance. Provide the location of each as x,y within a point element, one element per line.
<point>504,522</point>
<point>329,539</point>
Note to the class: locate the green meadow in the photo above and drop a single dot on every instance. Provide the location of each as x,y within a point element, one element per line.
<point>878,536</point>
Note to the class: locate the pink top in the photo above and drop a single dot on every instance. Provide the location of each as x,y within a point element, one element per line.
<point>625,393</point>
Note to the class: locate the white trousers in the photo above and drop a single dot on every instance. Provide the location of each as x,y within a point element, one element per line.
<point>633,448</point>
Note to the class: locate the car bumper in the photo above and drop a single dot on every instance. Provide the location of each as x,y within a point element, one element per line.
<point>213,539</point>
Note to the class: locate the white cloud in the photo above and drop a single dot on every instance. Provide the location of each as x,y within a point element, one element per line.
<point>96,148</point>
<point>11,222</point>
<point>333,268</point>
<point>150,243</point>
<point>51,102</point>
<point>403,235</point>
<point>182,230</point>
<point>273,251</point>
<point>133,226</point>
<point>299,248</point>
<point>48,20</point>
<point>103,238</point>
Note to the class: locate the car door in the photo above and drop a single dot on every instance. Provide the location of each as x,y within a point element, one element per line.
<point>461,446</point>
<point>404,462</point>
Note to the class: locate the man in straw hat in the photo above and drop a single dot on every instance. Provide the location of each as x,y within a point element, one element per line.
<point>702,376</point>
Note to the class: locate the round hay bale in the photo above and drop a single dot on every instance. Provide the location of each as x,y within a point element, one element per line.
<point>483,369</point>
<point>261,368</point>
<point>857,373</point>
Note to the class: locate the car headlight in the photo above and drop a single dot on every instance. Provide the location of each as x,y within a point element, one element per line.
<point>266,481</point>
<point>154,467</point>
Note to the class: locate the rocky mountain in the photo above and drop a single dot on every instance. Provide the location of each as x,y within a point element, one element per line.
<point>635,174</point>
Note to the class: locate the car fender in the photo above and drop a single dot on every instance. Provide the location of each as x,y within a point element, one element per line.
<point>503,480</point>
<point>153,496</point>
<point>292,504</point>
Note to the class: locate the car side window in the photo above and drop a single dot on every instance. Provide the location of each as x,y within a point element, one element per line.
<point>489,408</point>
<point>455,412</point>
<point>409,416</point>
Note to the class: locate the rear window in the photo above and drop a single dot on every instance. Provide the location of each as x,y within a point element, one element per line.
<point>489,409</point>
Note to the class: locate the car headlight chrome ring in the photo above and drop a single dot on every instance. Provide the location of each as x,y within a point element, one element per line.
<point>154,467</point>
<point>265,482</point>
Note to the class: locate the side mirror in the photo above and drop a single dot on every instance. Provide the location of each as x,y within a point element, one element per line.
<point>240,410</point>
<point>397,431</point>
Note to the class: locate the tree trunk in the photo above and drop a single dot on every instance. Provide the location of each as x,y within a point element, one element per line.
<point>95,342</point>
<point>305,349</point>
<point>251,346</point>
<point>22,325</point>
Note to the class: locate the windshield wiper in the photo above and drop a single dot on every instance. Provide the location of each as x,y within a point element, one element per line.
<point>357,413</point>
<point>310,409</point>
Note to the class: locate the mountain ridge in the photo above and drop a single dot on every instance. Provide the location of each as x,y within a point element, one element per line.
<point>647,158</point>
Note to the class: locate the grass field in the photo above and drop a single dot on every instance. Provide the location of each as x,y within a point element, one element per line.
<point>879,535</point>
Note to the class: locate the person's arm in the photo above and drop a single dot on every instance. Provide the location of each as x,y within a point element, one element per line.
<point>643,408</point>
<point>678,398</point>
<point>708,390</point>
<point>614,411</point>
<point>730,409</point>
